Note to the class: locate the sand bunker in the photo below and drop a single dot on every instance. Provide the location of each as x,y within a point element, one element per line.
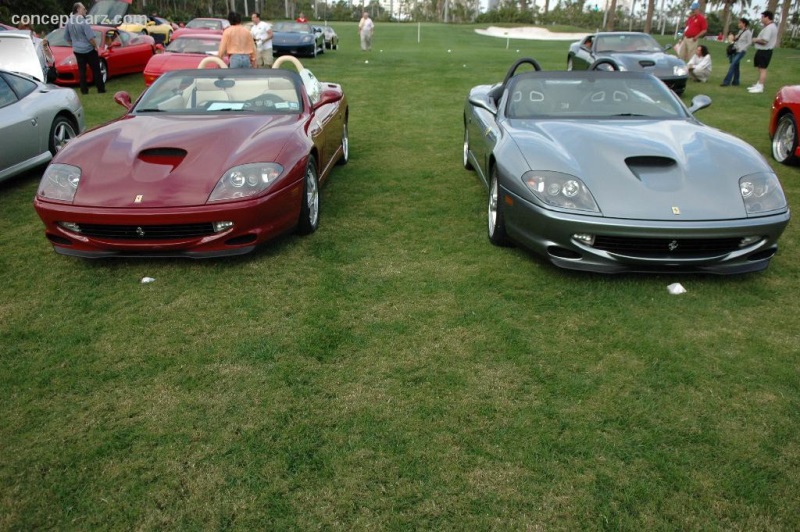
<point>530,33</point>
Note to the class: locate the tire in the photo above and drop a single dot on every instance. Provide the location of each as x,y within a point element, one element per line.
<point>465,161</point>
<point>104,71</point>
<point>168,39</point>
<point>496,220</point>
<point>345,146</point>
<point>570,65</point>
<point>314,53</point>
<point>784,142</point>
<point>309,206</point>
<point>61,132</point>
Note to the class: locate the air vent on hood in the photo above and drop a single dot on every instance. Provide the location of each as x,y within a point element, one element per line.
<point>658,173</point>
<point>166,156</point>
<point>645,63</point>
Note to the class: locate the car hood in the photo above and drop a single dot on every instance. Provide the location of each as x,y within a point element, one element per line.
<point>174,61</point>
<point>169,161</point>
<point>292,38</point>
<point>642,169</point>
<point>649,62</point>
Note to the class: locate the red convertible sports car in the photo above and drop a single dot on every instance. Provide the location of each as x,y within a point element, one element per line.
<point>206,163</point>
<point>185,51</point>
<point>203,25</point>
<point>783,125</point>
<point>120,53</point>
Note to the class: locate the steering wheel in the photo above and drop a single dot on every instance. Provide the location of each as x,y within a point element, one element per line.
<point>212,60</point>
<point>264,101</point>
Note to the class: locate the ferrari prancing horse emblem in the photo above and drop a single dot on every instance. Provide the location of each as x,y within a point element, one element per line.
<point>676,210</point>
<point>140,197</point>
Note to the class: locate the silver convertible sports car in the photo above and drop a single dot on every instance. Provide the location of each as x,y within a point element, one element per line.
<point>610,172</point>
<point>629,50</point>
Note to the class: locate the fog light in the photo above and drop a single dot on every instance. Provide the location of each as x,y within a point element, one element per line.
<point>748,241</point>
<point>70,226</point>
<point>222,226</point>
<point>584,238</point>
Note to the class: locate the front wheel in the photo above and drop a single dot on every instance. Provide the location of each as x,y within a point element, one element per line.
<point>497,223</point>
<point>104,71</point>
<point>570,65</point>
<point>467,164</point>
<point>309,206</point>
<point>61,132</point>
<point>784,143</point>
<point>345,146</point>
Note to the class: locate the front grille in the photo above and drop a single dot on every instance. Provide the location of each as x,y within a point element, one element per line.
<point>667,247</point>
<point>147,232</point>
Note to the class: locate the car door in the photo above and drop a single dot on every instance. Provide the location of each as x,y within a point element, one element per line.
<point>585,55</point>
<point>20,127</point>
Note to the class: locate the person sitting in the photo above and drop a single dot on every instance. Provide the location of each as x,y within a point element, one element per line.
<point>700,64</point>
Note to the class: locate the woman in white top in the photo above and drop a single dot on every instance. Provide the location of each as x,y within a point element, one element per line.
<point>700,64</point>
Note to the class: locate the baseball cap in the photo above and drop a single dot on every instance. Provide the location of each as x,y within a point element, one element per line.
<point>695,5</point>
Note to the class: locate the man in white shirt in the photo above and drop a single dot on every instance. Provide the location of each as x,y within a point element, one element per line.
<point>365,29</point>
<point>262,34</point>
<point>764,44</point>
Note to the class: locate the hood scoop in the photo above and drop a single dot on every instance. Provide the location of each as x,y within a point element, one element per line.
<point>171,157</point>
<point>645,63</point>
<point>657,173</point>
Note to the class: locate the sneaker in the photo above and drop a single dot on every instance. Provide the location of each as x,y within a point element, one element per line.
<point>755,89</point>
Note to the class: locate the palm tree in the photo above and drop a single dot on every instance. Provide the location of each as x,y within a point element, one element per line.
<point>648,23</point>
<point>726,12</point>
<point>612,13</point>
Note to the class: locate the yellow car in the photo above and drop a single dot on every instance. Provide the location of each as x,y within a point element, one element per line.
<point>158,28</point>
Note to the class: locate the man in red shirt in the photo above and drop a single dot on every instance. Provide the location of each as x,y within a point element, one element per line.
<point>301,18</point>
<point>696,29</point>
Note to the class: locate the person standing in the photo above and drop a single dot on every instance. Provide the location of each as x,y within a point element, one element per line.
<point>79,33</point>
<point>365,30</point>
<point>237,43</point>
<point>262,34</point>
<point>696,29</point>
<point>740,45</point>
<point>764,44</point>
<point>700,64</point>
<point>301,18</point>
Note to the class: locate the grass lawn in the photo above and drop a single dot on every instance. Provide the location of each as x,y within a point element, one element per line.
<point>394,370</point>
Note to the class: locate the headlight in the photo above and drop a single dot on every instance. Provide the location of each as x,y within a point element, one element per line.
<point>244,181</point>
<point>59,182</point>
<point>69,61</point>
<point>307,38</point>
<point>560,190</point>
<point>678,70</point>
<point>762,193</point>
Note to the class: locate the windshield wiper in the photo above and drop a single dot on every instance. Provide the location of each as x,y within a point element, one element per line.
<point>150,110</point>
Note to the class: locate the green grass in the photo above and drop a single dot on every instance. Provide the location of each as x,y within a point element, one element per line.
<point>394,370</point>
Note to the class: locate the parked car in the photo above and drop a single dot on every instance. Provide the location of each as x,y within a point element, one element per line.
<point>36,121</point>
<point>610,172</point>
<point>297,38</point>
<point>160,29</point>
<point>630,50</point>
<point>186,51</point>
<point>206,163</point>
<point>331,39</point>
<point>121,53</point>
<point>20,52</point>
<point>203,25</point>
<point>783,125</point>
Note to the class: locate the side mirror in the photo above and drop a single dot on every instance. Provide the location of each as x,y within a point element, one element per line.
<point>701,101</point>
<point>668,47</point>
<point>327,96</point>
<point>484,102</point>
<point>124,99</point>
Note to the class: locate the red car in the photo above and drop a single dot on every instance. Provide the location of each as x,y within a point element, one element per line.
<point>783,125</point>
<point>184,52</point>
<point>120,53</point>
<point>206,163</point>
<point>203,25</point>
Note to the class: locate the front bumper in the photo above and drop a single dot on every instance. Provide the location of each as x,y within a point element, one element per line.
<point>646,245</point>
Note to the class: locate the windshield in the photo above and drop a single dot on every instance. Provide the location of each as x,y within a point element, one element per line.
<point>193,92</point>
<point>292,27</point>
<point>591,94</point>
<point>194,45</point>
<point>627,43</point>
<point>204,24</point>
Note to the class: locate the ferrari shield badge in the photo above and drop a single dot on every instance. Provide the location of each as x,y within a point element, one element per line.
<point>138,199</point>
<point>676,211</point>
